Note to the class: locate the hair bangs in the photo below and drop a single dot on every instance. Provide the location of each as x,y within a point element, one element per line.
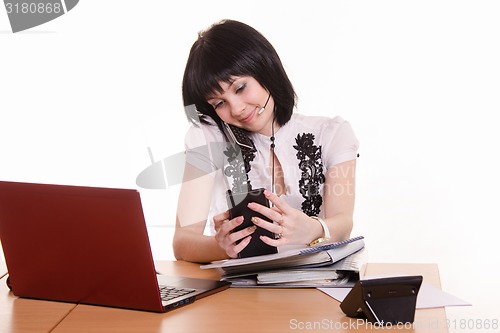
<point>230,49</point>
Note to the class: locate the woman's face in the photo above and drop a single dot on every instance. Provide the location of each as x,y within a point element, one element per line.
<point>240,102</point>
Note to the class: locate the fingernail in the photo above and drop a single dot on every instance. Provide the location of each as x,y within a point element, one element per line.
<point>254,220</point>
<point>252,228</point>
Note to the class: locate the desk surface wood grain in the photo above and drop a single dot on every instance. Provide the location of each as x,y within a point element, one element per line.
<point>250,310</point>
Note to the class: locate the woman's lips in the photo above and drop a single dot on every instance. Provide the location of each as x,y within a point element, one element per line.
<point>248,118</point>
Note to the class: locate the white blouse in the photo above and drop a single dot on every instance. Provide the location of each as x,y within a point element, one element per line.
<point>306,146</point>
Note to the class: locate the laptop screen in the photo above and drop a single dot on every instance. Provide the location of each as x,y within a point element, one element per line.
<point>78,244</point>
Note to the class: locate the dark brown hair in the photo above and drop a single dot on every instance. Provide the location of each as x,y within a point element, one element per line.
<point>231,48</point>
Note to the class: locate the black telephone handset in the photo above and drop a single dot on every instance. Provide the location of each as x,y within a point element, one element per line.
<point>238,206</point>
<point>239,136</point>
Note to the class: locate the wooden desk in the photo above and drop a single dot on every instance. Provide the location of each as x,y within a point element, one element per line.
<point>250,310</point>
<point>25,315</point>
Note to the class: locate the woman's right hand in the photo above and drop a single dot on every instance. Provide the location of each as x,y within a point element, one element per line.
<point>225,236</point>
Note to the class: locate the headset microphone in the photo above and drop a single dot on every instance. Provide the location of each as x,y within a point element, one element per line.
<point>264,107</point>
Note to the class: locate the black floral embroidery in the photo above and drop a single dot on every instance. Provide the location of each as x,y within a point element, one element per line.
<point>239,167</point>
<point>311,165</point>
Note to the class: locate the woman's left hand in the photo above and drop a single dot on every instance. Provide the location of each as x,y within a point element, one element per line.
<point>292,225</point>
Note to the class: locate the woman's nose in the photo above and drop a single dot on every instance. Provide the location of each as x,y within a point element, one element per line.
<point>237,107</point>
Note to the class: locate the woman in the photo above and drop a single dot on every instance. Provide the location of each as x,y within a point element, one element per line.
<point>235,88</point>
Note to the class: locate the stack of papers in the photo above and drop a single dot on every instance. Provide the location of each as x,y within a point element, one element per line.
<point>331,265</point>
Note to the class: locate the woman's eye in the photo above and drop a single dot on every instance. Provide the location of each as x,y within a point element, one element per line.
<point>218,105</point>
<point>240,88</point>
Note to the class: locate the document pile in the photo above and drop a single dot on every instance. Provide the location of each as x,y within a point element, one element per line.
<point>335,264</point>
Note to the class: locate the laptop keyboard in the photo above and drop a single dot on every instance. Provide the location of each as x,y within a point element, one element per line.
<point>167,293</point>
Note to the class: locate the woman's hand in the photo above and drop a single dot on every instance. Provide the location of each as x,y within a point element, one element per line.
<point>225,236</point>
<point>292,225</point>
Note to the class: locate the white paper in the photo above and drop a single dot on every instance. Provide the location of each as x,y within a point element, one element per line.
<point>428,297</point>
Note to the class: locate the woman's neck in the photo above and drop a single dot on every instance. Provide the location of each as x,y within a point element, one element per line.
<point>270,129</point>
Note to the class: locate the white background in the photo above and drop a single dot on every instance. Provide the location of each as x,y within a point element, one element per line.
<point>83,96</point>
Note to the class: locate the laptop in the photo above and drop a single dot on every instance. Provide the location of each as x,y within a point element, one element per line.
<point>87,245</point>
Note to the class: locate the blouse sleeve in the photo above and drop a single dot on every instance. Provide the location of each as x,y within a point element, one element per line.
<point>204,146</point>
<point>197,149</point>
<point>342,144</point>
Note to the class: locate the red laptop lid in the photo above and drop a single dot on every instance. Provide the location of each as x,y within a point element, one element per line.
<point>78,244</point>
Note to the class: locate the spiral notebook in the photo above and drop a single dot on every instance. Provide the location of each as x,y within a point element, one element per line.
<point>329,246</point>
<point>323,255</point>
<point>340,274</point>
